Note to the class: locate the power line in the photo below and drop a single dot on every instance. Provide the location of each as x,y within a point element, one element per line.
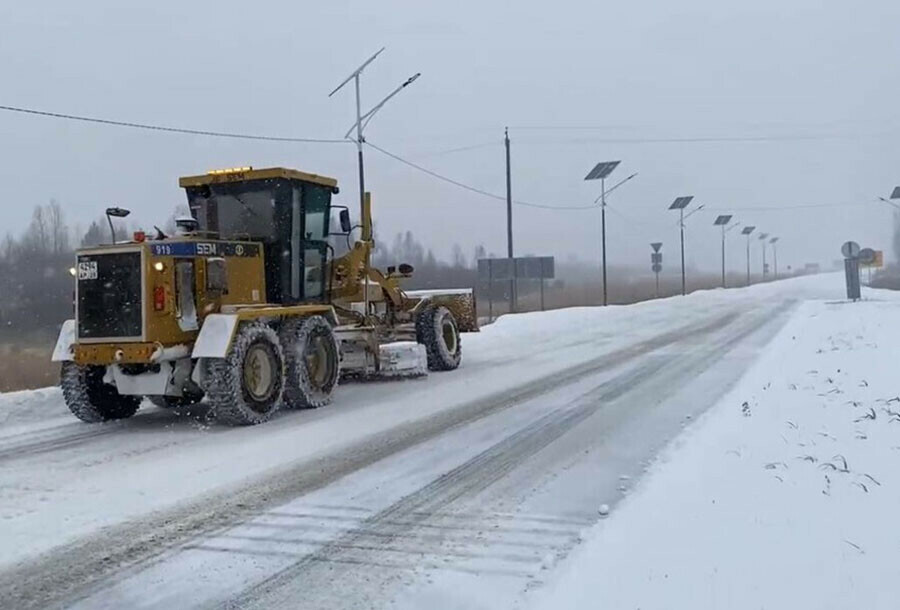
<point>705,139</point>
<point>195,132</point>
<point>459,149</point>
<point>473,189</point>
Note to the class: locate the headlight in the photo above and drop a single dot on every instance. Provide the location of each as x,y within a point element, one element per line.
<point>72,271</point>
<point>159,266</point>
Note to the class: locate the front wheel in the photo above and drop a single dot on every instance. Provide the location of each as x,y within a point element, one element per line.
<point>245,387</point>
<point>92,400</point>
<point>436,329</point>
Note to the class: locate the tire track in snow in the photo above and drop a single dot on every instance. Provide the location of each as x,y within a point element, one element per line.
<point>417,510</point>
<point>74,569</point>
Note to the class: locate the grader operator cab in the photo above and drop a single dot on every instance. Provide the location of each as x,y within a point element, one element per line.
<point>247,306</point>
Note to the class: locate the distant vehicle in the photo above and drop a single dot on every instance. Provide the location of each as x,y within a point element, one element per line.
<point>247,306</point>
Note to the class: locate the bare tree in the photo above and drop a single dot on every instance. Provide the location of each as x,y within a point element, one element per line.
<point>459,259</point>
<point>37,237</point>
<point>57,229</point>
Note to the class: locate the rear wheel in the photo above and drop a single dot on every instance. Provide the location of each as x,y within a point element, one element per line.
<point>436,329</point>
<point>312,362</point>
<point>92,400</point>
<point>245,387</point>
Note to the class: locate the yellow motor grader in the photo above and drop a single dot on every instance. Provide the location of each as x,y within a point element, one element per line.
<point>247,306</point>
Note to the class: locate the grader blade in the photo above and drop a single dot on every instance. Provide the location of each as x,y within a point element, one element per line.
<point>403,359</point>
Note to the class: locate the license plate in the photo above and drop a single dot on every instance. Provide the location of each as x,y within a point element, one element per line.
<point>87,270</point>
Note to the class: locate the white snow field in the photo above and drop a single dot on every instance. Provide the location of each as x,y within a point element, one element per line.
<point>784,495</point>
<point>468,488</point>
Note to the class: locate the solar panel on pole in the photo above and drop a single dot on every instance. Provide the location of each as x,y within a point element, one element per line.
<point>602,170</point>
<point>680,203</point>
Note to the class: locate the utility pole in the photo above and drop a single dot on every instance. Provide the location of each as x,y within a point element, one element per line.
<point>513,297</point>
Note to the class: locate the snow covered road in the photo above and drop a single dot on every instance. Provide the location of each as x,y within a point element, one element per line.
<point>458,490</point>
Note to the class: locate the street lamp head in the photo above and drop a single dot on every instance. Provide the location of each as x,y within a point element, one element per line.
<point>763,235</point>
<point>748,230</point>
<point>724,219</point>
<point>773,240</point>
<point>681,202</point>
<point>896,193</point>
<point>602,170</point>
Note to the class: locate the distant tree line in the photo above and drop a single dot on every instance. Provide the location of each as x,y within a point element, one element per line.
<point>34,277</point>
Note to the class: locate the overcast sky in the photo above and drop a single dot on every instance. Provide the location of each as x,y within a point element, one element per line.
<point>814,85</point>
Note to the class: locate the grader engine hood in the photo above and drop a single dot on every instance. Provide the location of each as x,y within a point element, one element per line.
<point>109,291</point>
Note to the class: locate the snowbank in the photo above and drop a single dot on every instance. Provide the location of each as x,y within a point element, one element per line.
<point>785,495</point>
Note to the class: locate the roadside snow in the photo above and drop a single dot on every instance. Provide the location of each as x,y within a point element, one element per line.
<point>785,495</point>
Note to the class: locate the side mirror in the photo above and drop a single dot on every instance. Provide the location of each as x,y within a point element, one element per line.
<point>405,269</point>
<point>346,227</point>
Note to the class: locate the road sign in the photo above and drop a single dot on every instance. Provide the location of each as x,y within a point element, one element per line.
<point>656,267</point>
<point>850,249</point>
<point>656,257</point>
<point>656,246</point>
<point>523,268</point>
<point>866,256</point>
<point>535,268</point>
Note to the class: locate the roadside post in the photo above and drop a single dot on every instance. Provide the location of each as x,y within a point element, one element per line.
<point>851,253</point>
<point>656,262</point>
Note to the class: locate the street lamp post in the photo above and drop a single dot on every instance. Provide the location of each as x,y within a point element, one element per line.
<point>762,241</point>
<point>679,204</point>
<point>721,221</point>
<point>747,231</point>
<point>600,172</point>
<point>363,119</point>
<point>774,242</point>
